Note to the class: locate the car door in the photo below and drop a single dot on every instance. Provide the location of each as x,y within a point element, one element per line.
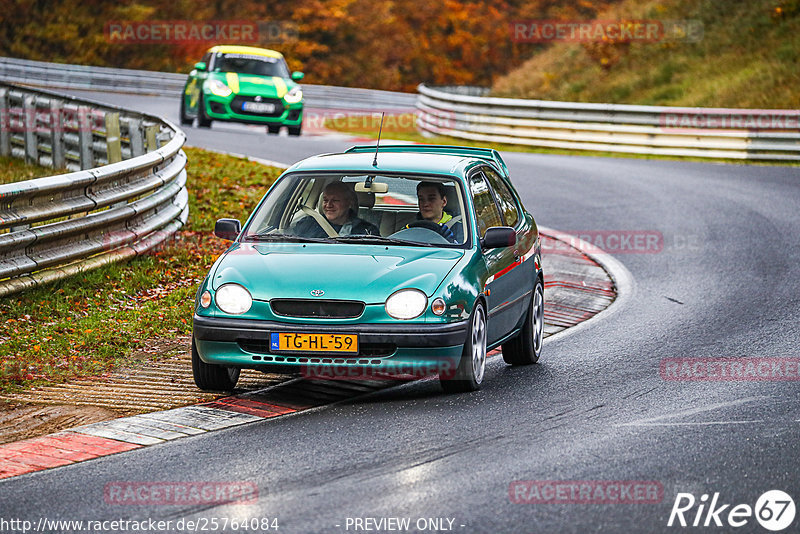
<point>521,275</point>
<point>498,290</point>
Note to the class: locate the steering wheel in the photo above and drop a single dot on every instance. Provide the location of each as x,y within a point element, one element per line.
<point>430,225</point>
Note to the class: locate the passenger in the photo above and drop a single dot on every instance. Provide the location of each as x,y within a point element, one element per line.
<point>340,208</point>
<point>432,199</point>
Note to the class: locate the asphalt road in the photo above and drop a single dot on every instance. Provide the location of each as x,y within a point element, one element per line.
<point>596,408</point>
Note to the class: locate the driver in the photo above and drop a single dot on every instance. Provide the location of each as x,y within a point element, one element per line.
<point>432,198</point>
<point>339,206</point>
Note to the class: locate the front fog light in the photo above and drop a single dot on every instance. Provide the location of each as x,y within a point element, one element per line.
<point>437,307</point>
<point>406,304</point>
<point>233,299</point>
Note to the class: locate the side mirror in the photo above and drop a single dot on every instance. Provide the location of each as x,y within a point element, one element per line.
<point>227,229</point>
<point>200,65</point>
<point>499,236</point>
<point>297,75</point>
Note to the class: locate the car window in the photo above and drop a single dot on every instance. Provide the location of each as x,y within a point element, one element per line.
<point>486,211</point>
<point>508,205</point>
<point>303,205</point>
<point>251,64</point>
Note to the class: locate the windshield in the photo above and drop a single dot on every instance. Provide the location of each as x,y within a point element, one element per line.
<point>251,64</point>
<point>335,208</point>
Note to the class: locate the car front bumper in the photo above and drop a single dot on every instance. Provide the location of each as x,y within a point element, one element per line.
<point>400,349</point>
<point>219,108</point>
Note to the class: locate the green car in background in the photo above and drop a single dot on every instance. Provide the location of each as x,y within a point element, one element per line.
<point>408,261</point>
<point>243,84</point>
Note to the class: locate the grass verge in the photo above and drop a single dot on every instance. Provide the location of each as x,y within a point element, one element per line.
<point>16,170</point>
<point>90,323</point>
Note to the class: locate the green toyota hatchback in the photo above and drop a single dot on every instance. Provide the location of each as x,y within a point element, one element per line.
<point>407,260</point>
<point>243,84</point>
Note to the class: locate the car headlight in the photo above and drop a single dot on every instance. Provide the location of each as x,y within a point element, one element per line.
<point>233,299</point>
<point>294,96</point>
<point>406,304</point>
<point>218,88</point>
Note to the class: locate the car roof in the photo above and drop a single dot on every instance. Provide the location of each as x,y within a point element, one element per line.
<point>416,159</point>
<point>238,49</point>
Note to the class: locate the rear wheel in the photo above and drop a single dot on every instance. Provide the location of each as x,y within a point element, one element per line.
<point>526,347</point>
<point>469,374</point>
<point>273,129</point>
<point>295,130</point>
<point>209,376</point>
<point>202,119</point>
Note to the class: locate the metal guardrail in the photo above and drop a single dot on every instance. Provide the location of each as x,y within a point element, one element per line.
<point>465,113</point>
<point>58,75</point>
<point>128,197</point>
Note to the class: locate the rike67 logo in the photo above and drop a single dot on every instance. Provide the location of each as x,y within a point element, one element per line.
<point>774,510</point>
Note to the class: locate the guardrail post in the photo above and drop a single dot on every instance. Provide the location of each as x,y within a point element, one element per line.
<point>5,124</point>
<point>151,134</point>
<point>113,141</point>
<point>85,137</point>
<point>29,120</point>
<point>57,134</point>
<point>135,135</point>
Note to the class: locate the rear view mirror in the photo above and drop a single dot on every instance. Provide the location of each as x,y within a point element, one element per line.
<point>499,236</point>
<point>227,229</point>
<point>297,76</point>
<point>374,187</point>
<point>200,65</point>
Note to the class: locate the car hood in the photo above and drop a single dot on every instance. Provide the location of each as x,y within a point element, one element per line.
<point>369,273</point>
<point>249,84</point>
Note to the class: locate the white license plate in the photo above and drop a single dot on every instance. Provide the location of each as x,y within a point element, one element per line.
<point>258,107</point>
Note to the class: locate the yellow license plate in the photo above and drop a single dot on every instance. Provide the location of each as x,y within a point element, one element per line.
<point>314,342</point>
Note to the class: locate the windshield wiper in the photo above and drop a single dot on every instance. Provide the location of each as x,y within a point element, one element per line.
<point>287,238</point>
<point>382,240</point>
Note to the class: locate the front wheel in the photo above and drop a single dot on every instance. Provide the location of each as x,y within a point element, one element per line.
<point>202,119</point>
<point>211,377</point>
<point>185,121</point>
<point>469,374</point>
<point>526,347</point>
<point>295,130</point>
<point>273,129</point>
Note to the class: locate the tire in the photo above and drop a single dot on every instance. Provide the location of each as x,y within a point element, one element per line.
<point>526,347</point>
<point>202,119</point>
<point>185,121</point>
<point>211,377</point>
<point>273,129</point>
<point>472,366</point>
<point>295,130</point>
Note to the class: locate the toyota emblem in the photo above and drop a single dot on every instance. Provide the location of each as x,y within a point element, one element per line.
<point>317,292</point>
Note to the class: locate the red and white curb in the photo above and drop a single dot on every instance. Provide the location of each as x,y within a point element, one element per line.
<point>128,433</point>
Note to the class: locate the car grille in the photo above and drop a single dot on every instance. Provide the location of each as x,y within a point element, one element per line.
<point>365,350</point>
<point>326,309</point>
<point>236,106</point>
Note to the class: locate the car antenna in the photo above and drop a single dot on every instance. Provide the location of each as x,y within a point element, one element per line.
<point>378,142</point>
